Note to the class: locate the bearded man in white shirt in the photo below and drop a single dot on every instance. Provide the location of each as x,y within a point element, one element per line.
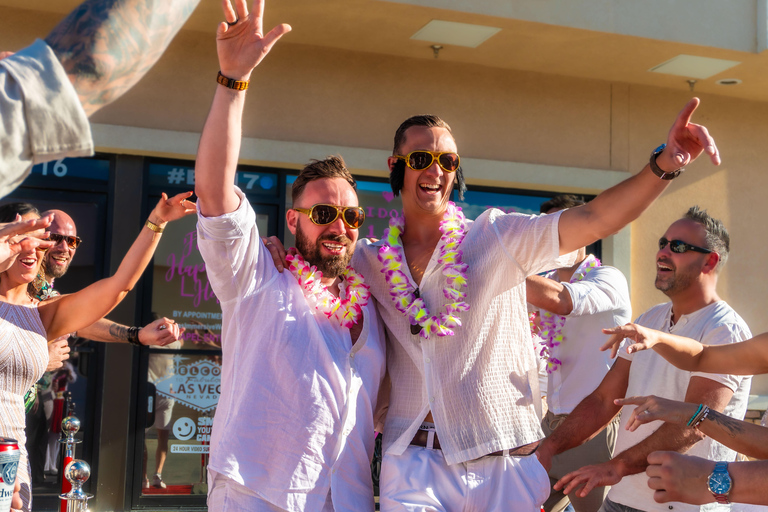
<point>574,304</point>
<point>691,254</point>
<point>461,420</point>
<point>301,369</point>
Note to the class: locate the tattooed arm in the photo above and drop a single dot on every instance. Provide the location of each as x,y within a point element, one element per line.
<point>160,332</point>
<point>744,437</point>
<point>106,46</point>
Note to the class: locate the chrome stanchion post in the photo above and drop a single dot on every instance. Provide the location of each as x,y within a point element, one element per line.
<point>77,472</point>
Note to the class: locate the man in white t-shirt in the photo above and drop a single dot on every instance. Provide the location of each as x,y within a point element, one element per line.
<point>303,354</point>
<point>691,254</point>
<point>574,304</point>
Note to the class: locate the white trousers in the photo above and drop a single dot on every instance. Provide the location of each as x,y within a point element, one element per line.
<point>226,495</point>
<point>419,480</point>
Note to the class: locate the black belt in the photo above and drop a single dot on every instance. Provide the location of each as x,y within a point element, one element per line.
<point>421,439</point>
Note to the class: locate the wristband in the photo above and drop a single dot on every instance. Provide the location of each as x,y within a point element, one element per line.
<point>690,421</point>
<point>133,336</point>
<point>658,171</point>
<point>154,227</point>
<point>231,83</point>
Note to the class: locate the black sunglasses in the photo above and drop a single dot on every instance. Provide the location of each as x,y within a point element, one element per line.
<point>72,241</point>
<point>421,160</point>
<point>680,247</point>
<point>324,214</point>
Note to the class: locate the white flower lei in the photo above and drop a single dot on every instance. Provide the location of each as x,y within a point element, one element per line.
<point>551,331</point>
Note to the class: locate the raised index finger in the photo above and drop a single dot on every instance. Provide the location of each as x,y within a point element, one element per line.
<point>684,117</point>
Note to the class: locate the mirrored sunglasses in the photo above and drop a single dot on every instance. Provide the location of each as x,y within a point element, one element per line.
<point>679,247</point>
<point>421,160</point>
<point>324,214</point>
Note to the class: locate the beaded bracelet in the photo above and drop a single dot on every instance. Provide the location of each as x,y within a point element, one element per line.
<point>702,418</point>
<point>690,421</point>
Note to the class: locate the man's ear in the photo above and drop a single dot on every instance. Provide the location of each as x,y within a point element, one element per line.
<point>711,263</point>
<point>391,161</point>
<point>292,219</point>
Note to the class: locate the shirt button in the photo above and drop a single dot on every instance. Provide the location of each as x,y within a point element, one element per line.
<point>347,432</point>
<point>428,360</point>
<point>352,355</point>
<point>432,399</point>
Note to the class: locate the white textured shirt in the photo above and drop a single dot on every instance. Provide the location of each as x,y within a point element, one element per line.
<point>42,118</point>
<point>600,300</point>
<point>651,374</point>
<point>479,383</point>
<point>295,414</point>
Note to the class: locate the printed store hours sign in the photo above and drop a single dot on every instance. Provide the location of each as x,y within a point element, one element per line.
<point>196,384</point>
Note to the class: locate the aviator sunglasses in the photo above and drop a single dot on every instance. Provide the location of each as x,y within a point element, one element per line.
<point>421,159</point>
<point>680,247</point>
<point>324,214</point>
<point>72,241</point>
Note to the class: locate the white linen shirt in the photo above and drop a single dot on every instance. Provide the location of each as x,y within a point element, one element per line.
<point>600,300</point>
<point>480,383</point>
<point>295,414</point>
<point>651,374</point>
<point>42,118</point>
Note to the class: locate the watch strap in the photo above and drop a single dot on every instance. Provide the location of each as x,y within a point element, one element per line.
<point>658,171</point>
<point>231,83</point>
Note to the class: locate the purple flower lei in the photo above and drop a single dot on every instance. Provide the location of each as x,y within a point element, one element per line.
<point>551,333</point>
<point>453,228</point>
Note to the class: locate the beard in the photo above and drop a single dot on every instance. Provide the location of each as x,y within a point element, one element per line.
<point>53,271</point>
<point>331,266</point>
<point>680,279</point>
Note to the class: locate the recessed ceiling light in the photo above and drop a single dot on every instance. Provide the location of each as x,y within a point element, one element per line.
<point>728,81</point>
<point>694,67</point>
<point>451,32</point>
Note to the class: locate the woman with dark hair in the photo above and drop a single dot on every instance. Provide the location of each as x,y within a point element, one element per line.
<point>26,324</point>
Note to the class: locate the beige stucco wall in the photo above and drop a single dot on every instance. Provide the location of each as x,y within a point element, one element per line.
<point>311,95</point>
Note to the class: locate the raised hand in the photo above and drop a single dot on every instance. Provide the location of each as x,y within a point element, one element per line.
<point>240,41</point>
<point>643,338</point>
<point>11,243</point>
<point>174,208</point>
<point>653,408</point>
<point>686,141</point>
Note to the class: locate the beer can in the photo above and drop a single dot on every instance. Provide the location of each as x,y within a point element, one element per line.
<point>9,463</point>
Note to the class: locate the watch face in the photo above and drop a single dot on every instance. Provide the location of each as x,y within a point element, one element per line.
<point>719,482</point>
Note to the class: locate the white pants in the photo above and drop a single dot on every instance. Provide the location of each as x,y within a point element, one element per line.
<point>419,480</point>
<point>226,495</point>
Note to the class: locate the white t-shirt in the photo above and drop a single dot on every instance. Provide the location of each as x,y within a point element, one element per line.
<point>479,383</point>
<point>295,414</point>
<point>651,374</point>
<point>600,300</point>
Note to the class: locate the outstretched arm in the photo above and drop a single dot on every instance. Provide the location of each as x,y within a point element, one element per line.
<point>161,332</point>
<point>241,45</point>
<point>742,436</point>
<point>623,203</point>
<point>107,46</point>
<point>667,437</point>
<point>676,477</point>
<point>69,313</point>
<point>749,357</point>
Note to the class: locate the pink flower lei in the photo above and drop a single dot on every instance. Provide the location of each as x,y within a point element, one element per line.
<point>453,228</point>
<point>353,292</point>
<point>551,325</point>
